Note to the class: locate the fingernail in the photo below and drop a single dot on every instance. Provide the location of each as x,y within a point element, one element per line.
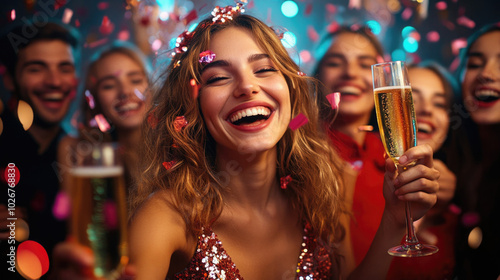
<point>403,159</point>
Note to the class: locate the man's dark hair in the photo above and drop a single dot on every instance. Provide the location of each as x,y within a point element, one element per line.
<point>21,35</point>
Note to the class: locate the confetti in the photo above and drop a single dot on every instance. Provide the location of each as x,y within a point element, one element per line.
<point>433,36</point>
<point>356,165</point>
<point>365,128</point>
<point>168,164</point>
<point>305,56</point>
<point>179,123</point>
<point>206,57</point>
<point>106,26</point>
<point>380,59</point>
<point>220,15</point>
<point>110,215</point>
<point>458,44</point>
<point>407,13</point>
<point>441,5</point>
<point>334,99</point>
<point>302,74</point>
<point>355,4</point>
<point>68,13</point>
<point>190,17</point>
<point>312,34</point>
<point>470,219</point>
<point>330,8</point>
<point>308,9</point>
<point>139,94</point>
<point>123,35</point>
<point>59,3</point>
<point>465,21</point>
<point>298,121</point>
<point>284,181</point>
<point>182,42</point>
<point>102,5</point>
<point>90,99</point>
<point>13,15</point>
<point>62,207</point>
<point>333,27</point>
<point>102,123</point>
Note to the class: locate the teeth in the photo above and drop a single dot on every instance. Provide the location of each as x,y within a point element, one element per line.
<point>424,127</point>
<point>487,93</point>
<point>127,107</point>
<point>262,111</point>
<point>349,90</point>
<point>53,96</point>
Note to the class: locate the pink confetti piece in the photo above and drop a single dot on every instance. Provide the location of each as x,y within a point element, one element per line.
<point>365,128</point>
<point>333,27</point>
<point>206,57</point>
<point>433,36</point>
<point>139,94</point>
<point>62,207</point>
<point>284,181</point>
<point>308,9</point>
<point>106,26</point>
<point>448,24</point>
<point>407,13</point>
<point>13,15</point>
<point>330,8</point>
<point>458,44</point>
<point>102,5</point>
<point>123,35</point>
<point>194,88</point>
<point>298,121</point>
<point>96,43</point>
<point>454,209</point>
<point>380,59</point>
<point>179,123</point>
<point>470,219</point>
<point>192,15</point>
<point>305,56</point>
<point>465,21</point>
<point>441,5</point>
<point>68,13</point>
<point>168,164</point>
<point>334,99</point>
<point>312,34</point>
<point>156,45</point>
<point>454,64</point>
<point>102,123</point>
<point>90,99</point>
<point>110,215</point>
<point>355,4</point>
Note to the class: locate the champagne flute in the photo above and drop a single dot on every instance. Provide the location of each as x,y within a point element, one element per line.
<point>397,126</point>
<point>99,212</point>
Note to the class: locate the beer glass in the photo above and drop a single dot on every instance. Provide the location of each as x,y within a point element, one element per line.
<point>99,212</point>
<point>397,126</point>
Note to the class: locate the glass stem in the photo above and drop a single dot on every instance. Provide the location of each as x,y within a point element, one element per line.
<point>411,240</point>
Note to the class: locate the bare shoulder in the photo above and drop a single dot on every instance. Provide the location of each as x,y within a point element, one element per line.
<point>157,231</point>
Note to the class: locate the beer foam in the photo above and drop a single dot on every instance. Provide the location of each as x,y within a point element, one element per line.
<point>97,171</point>
<point>392,87</point>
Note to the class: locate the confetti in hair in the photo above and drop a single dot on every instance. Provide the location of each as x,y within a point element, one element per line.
<point>298,121</point>
<point>168,164</point>
<point>194,88</point>
<point>206,57</point>
<point>284,181</point>
<point>221,15</point>
<point>179,123</point>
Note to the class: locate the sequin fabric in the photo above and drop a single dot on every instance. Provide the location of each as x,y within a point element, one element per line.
<point>211,261</point>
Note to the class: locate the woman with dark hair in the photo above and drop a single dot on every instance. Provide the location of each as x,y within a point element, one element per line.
<point>475,156</point>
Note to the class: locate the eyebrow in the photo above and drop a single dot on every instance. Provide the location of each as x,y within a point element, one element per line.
<point>43,63</point>
<point>224,63</point>
<point>439,94</point>
<point>329,55</point>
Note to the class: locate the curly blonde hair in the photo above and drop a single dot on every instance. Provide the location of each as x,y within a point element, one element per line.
<point>316,191</point>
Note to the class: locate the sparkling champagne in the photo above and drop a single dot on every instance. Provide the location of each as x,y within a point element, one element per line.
<point>396,119</point>
<point>100,216</point>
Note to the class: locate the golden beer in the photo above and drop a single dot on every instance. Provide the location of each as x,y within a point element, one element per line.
<point>99,216</point>
<point>396,119</point>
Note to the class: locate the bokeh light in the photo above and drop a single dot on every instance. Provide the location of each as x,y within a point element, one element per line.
<point>289,39</point>
<point>407,30</point>
<point>410,45</point>
<point>289,9</point>
<point>475,238</point>
<point>32,260</point>
<point>375,27</point>
<point>305,56</point>
<point>25,114</point>
<point>398,54</point>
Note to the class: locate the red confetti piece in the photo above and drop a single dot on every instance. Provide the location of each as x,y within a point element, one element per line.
<point>123,35</point>
<point>102,123</point>
<point>470,219</point>
<point>59,3</point>
<point>458,44</point>
<point>407,13</point>
<point>145,20</point>
<point>152,120</point>
<point>454,209</point>
<point>312,34</point>
<point>68,13</point>
<point>96,43</point>
<point>334,99</point>
<point>179,123</point>
<point>194,88</point>
<point>454,64</point>
<point>90,99</point>
<point>465,21</point>
<point>102,5</point>
<point>106,26</point>
<point>433,36</point>
<point>448,24</point>
<point>333,27</point>
<point>441,5</point>
<point>308,9</point>
<point>298,121</point>
<point>302,74</point>
<point>77,23</point>
<point>168,164</point>
<point>182,41</point>
<point>284,181</point>
<point>206,57</point>
<point>190,17</point>
<point>62,206</point>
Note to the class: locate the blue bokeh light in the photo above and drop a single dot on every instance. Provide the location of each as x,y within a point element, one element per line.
<point>410,45</point>
<point>398,55</point>
<point>289,9</point>
<point>407,31</point>
<point>375,27</point>
<point>289,39</point>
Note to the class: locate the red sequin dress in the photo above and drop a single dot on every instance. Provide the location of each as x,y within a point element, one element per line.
<point>211,261</point>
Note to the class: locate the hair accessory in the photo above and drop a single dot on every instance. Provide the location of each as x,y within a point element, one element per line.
<point>180,123</point>
<point>182,42</point>
<point>284,181</point>
<point>300,73</point>
<point>206,57</point>
<point>220,15</point>
<point>169,164</point>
